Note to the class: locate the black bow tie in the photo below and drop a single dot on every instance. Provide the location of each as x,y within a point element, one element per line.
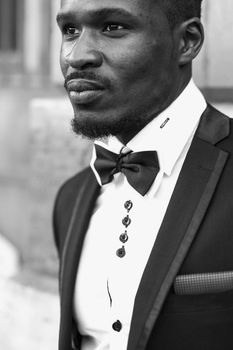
<point>140,168</point>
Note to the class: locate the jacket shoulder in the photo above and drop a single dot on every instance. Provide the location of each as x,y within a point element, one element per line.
<point>214,126</point>
<point>226,125</point>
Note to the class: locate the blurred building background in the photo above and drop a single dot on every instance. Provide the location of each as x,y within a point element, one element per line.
<point>38,151</point>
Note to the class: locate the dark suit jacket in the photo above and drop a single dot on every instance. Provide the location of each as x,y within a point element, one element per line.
<point>196,236</point>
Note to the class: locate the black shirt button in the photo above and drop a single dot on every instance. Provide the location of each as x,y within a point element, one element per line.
<point>126,221</point>
<point>124,237</point>
<point>117,326</point>
<point>128,205</point>
<point>121,252</point>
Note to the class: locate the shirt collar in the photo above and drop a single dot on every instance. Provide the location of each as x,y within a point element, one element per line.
<point>168,133</point>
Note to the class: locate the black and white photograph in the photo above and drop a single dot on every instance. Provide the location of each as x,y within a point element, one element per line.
<point>116,175</point>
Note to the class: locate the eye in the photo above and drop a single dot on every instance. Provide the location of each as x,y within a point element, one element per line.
<point>115,30</point>
<point>70,31</point>
<point>113,27</point>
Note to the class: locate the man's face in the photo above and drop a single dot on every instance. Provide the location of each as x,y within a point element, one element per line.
<point>119,60</point>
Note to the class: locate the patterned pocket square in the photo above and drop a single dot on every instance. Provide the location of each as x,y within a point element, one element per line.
<point>203,283</point>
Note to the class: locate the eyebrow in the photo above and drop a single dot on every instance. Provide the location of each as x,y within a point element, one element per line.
<point>100,14</point>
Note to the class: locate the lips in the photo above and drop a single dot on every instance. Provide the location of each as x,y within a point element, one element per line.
<point>84,91</point>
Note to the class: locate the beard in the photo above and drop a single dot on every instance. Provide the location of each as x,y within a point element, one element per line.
<point>94,128</point>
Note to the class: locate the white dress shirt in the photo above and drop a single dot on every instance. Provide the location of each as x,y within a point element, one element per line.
<point>106,284</point>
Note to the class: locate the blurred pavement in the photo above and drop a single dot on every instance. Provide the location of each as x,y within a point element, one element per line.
<point>28,316</point>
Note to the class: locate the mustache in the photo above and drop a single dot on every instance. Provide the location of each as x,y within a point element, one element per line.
<point>87,75</point>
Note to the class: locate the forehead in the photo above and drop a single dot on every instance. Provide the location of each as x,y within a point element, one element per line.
<point>137,7</point>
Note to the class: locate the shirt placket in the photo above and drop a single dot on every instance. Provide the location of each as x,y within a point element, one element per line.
<point>120,310</point>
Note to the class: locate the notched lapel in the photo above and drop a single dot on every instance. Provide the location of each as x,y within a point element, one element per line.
<point>192,194</point>
<point>79,222</point>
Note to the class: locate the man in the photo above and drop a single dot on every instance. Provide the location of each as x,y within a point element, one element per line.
<point>145,234</point>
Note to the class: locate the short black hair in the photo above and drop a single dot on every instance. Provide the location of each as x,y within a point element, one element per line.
<point>181,10</point>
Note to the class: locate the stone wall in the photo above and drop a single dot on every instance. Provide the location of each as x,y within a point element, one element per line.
<point>214,66</point>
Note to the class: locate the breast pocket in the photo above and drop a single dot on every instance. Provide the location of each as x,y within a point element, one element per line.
<point>195,322</point>
<point>203,283</point>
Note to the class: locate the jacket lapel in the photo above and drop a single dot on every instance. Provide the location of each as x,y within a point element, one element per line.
<point>82,211</point>
<point>193,192</point>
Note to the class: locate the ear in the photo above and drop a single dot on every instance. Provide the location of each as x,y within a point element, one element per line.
<point>191,38</point>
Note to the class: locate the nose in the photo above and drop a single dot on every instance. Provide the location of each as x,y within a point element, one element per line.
<point>84,53</point>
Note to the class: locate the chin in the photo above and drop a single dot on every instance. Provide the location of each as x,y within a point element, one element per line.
<point>93,128</point>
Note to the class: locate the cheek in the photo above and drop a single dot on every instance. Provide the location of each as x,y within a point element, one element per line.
<point>140,65</point>
<point>65,52</point>
<point>63,63</point>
